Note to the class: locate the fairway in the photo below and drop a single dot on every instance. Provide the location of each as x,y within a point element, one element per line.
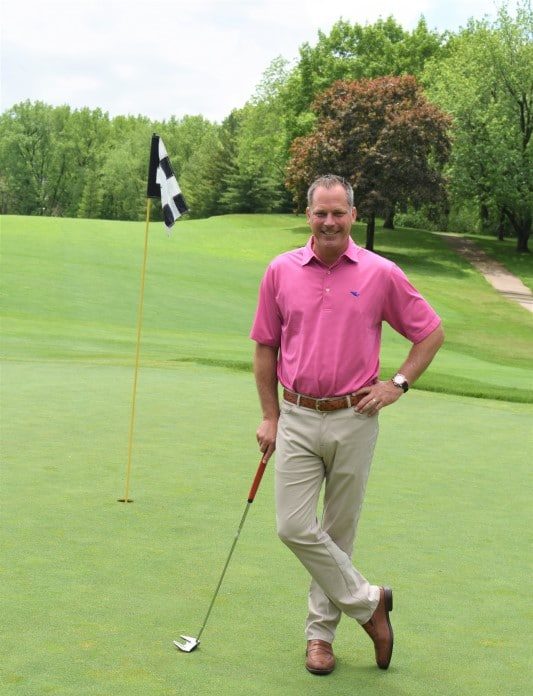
<point>95,591</point>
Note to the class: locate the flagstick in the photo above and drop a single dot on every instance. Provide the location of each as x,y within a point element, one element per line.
<point>126,499</point>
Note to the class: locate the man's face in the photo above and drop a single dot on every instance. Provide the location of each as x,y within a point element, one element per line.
<point>330,219</point>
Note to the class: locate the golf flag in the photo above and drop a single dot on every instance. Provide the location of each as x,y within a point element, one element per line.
<point>162,182</point>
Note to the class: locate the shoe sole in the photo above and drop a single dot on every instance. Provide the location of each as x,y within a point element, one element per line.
<point>320,672</point>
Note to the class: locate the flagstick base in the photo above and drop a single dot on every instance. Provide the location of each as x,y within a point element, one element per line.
<point>124,500</point>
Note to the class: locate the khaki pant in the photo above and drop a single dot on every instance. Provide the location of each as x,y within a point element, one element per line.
<point>336,447</point>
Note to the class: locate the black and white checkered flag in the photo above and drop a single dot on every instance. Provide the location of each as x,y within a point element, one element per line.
<point>162,182</point>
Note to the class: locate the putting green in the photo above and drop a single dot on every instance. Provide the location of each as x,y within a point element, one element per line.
<point>94,590</point>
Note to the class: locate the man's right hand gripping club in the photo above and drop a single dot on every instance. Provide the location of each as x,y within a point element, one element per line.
<point>266,437</point>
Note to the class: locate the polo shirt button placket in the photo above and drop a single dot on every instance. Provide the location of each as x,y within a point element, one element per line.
<point>326,300</point>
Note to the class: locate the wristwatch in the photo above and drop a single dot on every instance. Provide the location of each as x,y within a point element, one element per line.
<point>400,381</point>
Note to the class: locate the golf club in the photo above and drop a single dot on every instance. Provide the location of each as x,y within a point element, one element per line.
<point>189,643</point>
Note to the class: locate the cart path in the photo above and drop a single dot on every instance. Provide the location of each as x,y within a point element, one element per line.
<point>497,275</point>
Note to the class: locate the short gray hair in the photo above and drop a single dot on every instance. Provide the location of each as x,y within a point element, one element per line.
<point>329,181</point>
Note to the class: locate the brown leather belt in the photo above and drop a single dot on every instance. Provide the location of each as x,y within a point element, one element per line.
<point>332,404</point>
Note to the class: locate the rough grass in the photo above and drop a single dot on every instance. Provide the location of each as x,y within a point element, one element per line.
<point>70,290</point>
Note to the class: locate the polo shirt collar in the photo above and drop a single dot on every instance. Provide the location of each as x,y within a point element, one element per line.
<point>351,253</point>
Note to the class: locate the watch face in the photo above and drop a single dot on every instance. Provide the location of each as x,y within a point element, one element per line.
<point>400,382</point>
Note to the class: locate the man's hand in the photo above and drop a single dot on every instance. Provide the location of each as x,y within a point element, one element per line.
<point>377,396</point>
<point>266,437</point>
<point>385,393</point>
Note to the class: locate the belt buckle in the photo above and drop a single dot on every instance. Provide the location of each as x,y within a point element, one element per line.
<point>317,404</point>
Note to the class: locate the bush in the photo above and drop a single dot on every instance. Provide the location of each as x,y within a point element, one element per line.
<point>463,219</point>
<point>417,219</point>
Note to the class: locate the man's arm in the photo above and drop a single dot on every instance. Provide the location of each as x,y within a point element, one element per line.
<point>385,393</point>
<point>265,371</point>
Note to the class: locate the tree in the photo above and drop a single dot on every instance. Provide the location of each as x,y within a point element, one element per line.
<point>58,161</point>
<point>253,178</point>
<point>88,134</point>
<point>251,184</point>
<point>485,81</point>
<point>354,52</point>
<point>182,138</point>
<point>383,136</point>
<point>124,170</point>
<point>36,157</point>
<point>200,178</point>
<point>90,204</point>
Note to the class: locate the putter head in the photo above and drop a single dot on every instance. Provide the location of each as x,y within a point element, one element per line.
<point>188,646</point>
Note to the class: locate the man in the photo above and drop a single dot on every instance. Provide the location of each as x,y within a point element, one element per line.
<point>317,330</point>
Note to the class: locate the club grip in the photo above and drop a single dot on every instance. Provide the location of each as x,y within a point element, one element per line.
<point>257,480</point>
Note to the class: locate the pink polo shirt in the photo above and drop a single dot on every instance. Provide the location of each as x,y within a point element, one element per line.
<point>326,321</point>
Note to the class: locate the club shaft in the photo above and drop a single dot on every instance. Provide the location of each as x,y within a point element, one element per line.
<point>246,509</point>
<point>251,495</point>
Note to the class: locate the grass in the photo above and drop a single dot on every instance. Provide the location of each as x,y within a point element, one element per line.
<point>71,291</point>
<point>94,591</point>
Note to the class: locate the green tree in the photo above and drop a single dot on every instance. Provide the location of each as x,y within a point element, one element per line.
<point>90,203</point>
<point>36,157</point>
<point>124,170</point>
<point>383,136</point>
<point>88,134</point>
<point>225,160</point>
<point>6,203</point>
<point>254,174</point>
<point>200,178</point>
<point>55,161</point>
<point>247,187</point>
<point>485,81</point>
<point>182,138</point>
<point>353,52</point>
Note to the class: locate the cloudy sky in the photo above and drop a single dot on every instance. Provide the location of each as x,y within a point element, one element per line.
<point>161,57</point>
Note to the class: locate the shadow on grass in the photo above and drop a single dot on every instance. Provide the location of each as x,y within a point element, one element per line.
<point>302,230</point>
<point>237,365</point>
<point>429,264</point>
<point>429,254</point>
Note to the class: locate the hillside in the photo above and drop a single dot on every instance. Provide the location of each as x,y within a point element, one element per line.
<point>70,292</point>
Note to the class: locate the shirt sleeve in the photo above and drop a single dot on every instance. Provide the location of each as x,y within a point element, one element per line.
<point>266,327</point>
<point>406,310</point>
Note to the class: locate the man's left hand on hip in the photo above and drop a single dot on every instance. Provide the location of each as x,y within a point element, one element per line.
<point>377,396</point>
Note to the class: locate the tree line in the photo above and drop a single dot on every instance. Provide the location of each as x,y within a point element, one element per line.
<point>432,129</point>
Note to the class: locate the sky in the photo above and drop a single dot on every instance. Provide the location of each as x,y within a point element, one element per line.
<point>163,58</point>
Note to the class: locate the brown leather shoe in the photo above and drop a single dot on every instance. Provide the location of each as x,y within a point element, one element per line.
<point>320,657</point>
<point>380,630</point>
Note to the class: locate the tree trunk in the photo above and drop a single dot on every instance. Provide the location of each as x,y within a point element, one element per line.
<point>501,228</point>
<point>389,218</point>
<point>522,242</point>
<point>370,230</point>
<point>522,226</point>
<point>484,216</point>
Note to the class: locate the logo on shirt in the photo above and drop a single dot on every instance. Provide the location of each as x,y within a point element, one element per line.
<point>354,293</point>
